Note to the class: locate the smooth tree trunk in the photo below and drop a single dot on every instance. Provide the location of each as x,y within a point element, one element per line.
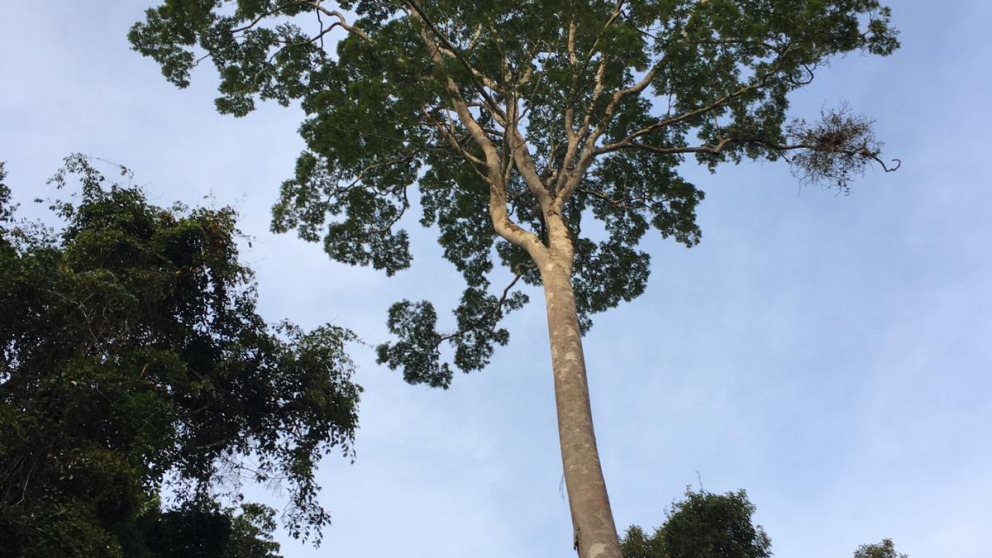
<point>592,517</point>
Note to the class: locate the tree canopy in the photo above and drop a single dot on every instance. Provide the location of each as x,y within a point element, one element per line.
<point>512,116</point>
<point>707,525</point>
<point>139,387</point>
<point>703,525</point>
<point>884,549</point>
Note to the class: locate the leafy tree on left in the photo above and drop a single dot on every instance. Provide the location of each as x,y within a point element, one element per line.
<point>134,366</point>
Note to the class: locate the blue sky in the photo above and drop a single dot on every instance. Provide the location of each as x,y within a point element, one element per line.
<point>830,354</point>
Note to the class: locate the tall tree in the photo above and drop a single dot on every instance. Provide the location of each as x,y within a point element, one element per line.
<point>131,353</point>
<point>519,121</point>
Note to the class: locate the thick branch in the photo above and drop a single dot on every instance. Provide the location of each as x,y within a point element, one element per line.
<point>502,224</point>
<point>448,46</point>
<point>524,162</point>
<point>569,181</point>
<point>342,22</point>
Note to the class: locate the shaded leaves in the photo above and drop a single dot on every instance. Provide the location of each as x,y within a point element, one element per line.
<point>380,123</point>
<point>702,525</point>
<point>707,525</point>
<point>132,353</point>
<point>884,549</point>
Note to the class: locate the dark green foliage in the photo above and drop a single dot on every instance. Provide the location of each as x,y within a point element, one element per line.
<point>884,549</point>
<point>206,531</point>
<point>707,525</point>
<point>381,120</point>
<point>417,351</point>
<point>636,544</point>
<point>6,209</point>
<point>703,525</point>
<point>132,353</point>
<point>478,332</point>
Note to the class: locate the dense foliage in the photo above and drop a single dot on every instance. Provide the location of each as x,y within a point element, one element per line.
<point>884,549</point>
<point>518,117</point>
<point>707,525</point>
<point>703,525</point>
<point>136,373</point>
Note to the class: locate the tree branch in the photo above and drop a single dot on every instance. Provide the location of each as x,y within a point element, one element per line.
<point>446,43</point>
<point>447,131</point>
<point>342,22</point>
<point>497,313</point>
<point>569,180</point>
<point>317,7</point>
<point>502,224</point>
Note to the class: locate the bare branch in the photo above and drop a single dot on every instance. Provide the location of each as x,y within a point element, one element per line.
<point>342,22</point>
<point>317,7</point>
<point>840,145</point>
